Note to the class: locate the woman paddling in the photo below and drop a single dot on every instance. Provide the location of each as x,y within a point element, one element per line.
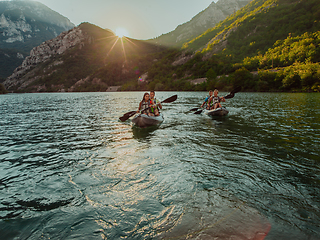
<point>145,104</point>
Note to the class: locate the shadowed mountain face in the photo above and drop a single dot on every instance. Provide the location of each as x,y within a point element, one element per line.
<point>86,56</point>
<point>24,25</point>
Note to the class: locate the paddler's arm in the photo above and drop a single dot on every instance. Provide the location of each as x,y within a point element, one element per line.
<point>222,99</point>
<point>206,100</point>
<point>139,107</point>
<point>209,101</point>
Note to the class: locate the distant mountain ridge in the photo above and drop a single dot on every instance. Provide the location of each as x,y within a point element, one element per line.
<point>24,25</point>
<point>204,20</point>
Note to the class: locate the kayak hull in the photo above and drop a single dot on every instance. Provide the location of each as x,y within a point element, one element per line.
<point>217,112</point>
<point>142,120</point>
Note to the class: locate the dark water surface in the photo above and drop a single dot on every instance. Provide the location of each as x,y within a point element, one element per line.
<point>69,169</point>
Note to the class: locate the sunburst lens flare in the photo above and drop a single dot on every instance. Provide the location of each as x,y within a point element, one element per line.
<point>121,32</point>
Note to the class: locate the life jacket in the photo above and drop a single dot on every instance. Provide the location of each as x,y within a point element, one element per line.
<point>214,100</point>
<point>155,101</point>
<point>145,105</point>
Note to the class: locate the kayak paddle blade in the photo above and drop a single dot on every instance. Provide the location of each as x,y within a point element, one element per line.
<point>170,99</point>
<point>198,112</point>
<point>237,89</point>
<point>231,94</point>
<point>193,109</point>
<point>127,115</point>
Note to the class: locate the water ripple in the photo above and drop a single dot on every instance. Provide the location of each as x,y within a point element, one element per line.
<point>70,169</point>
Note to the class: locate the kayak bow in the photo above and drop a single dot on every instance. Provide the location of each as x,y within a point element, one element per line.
<point>143,120</point>
<point>217,112</point>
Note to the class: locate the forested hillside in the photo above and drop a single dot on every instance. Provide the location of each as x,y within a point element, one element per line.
<point>276,40</point>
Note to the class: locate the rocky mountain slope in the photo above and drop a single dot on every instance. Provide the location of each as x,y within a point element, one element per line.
<point>204,20</point>
<point>24,25</point>
<point>85,58</point>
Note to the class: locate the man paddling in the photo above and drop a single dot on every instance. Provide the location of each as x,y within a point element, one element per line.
<point>156,104</point>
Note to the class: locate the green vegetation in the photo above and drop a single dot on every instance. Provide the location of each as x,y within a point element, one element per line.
<point>269,45</point>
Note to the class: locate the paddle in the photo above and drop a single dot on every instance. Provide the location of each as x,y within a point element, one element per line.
<point>228,96</point>
<point>194,109</point>
<point>231,94</point>
<point>131,113</point>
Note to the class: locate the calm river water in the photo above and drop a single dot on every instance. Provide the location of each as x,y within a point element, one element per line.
<point>69,169</point>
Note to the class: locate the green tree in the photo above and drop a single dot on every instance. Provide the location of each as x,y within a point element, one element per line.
<point>211,74</point>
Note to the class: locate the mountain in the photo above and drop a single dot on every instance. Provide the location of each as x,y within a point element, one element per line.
<point>204,20</point>
<point>85,58</point>
<point>24,25</point>
<point>268,45</point>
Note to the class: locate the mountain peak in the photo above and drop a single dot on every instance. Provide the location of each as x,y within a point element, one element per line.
<point>204,20</point>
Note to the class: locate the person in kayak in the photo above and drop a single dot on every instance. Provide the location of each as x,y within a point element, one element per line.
<point>155,104</point>
<point>214,101</point>
<point>207,98</point>
<point>145,104</point>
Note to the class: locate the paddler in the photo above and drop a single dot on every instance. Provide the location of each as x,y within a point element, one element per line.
<point>215,99</point>
<point>145,104</point>
<point>207,98</point>
<point>155,104</point>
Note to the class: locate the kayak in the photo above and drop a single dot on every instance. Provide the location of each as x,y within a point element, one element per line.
<point>143,120</point>
<point>217,112</point>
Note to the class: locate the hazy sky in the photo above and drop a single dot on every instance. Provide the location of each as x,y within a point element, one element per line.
<point>143,19</point>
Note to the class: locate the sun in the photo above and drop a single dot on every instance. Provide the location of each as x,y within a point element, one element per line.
<point>122,32</point>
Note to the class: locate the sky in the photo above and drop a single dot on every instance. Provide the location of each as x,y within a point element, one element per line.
<point>139,19</point>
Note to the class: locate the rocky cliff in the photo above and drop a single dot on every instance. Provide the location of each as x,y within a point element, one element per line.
<point>44,52</point>
<point>24,25</point>
<point>24,22</point>
<point>206,19</point>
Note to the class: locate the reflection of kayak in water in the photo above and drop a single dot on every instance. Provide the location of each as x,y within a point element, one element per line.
<point>143,120</point>
<point>217,112</point>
